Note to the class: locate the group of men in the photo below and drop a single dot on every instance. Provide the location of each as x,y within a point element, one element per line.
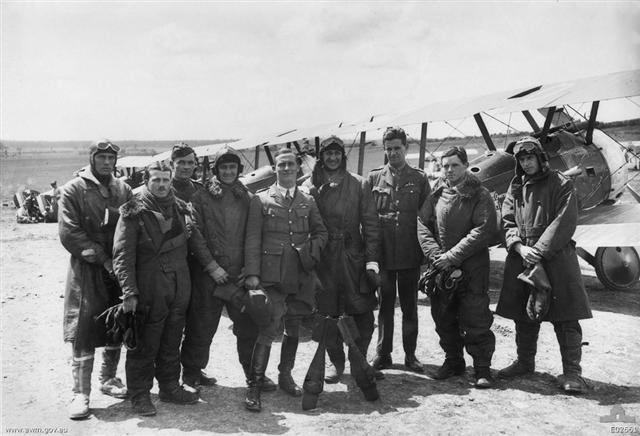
<point>173,256</point>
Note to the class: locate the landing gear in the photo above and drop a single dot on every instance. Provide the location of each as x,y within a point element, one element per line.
<point>618,268</point>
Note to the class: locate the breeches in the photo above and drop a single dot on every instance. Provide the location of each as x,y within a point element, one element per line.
<point>285,309</point>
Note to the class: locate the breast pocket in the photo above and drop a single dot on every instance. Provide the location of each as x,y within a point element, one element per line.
<point>301,224</point>
<point>270,265</point>
<point>275,219</point>
<point>408,198</point>
<point>382,198</point>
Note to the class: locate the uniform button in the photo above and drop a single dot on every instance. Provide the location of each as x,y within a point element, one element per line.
<point>291,233</point>
<point>290,210</point>
<point>293,245</point>
<point>290,222</point>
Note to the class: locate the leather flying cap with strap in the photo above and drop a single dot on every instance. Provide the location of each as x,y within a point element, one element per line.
<point>527,145</point>
<point>332,143</point>
<point>103,145</point>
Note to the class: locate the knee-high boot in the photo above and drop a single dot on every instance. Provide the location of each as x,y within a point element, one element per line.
<point>259,361</point>
<point>287,362</point>
<point>569,336</point>
<point>337,359</point>
<point>526,346</point>
<point>81,369</point>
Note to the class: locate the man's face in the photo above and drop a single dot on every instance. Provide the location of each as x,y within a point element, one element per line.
<point>183,166</point>
<point>396,152</point>
<point>332,159</point>
<point>228,172</point>
<point>159,183</point>
<point>453,169</point>
<point>529,163</point>
<point>104,163</point>
<point>287,170</point>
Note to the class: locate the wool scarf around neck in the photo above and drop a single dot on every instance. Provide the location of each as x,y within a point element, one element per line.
<point>162,208</point>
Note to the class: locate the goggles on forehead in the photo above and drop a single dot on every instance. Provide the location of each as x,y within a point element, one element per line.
<point>525,148</point>
<point>107,146</point>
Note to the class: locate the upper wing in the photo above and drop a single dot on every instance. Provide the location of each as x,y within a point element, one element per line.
<point>598,88</point>
<point>606,87</point>
<point>134,161</point>
<point>615,225</point>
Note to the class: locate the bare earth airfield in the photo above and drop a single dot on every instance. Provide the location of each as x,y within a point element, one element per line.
<point>36,377</point>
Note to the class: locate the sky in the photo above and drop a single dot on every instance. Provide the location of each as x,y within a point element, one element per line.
<point>206,70</point>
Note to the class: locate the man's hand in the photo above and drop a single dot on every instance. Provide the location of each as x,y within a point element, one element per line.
<point>130,304</point>
<point>530,255</point>
<point>108,265</point>
<point>442,262</point>
<point>220,276</point>
<point>373,280</point>
<point>89,255</point>
<point>252,282</point>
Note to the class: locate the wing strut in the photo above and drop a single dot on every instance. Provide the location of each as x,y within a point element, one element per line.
<point>363,138</point>
<point>592,121</point>
<point>423,145</point>
<point>256,159</point>
<point>269,155</point>
<point>547,125</point>
<point>484,131</point>
<point>531,121</point>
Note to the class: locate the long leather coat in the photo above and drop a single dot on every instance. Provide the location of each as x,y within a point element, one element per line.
<point>284,242</point>
<point>81,223</point>
<point>350,216</point>
<point>542,213</point>
<point>398,199</point>
<point>460,222</point>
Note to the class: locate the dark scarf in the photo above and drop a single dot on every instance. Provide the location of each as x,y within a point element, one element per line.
<point>164,209</point>
<point>320,177</point>
<point>216,188</point>
<point>104,180</point>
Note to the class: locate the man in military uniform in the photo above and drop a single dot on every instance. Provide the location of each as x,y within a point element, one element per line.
<point>151,242</point>
<point>87,218</point>
<point>398,191</point>
<point>220,213</point>
<point>183,163</point>
<point>285,236</point>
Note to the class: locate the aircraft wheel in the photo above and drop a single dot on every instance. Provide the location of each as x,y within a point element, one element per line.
<point>618,268</point>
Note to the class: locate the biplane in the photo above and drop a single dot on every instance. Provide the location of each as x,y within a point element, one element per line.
<point>594,160</point>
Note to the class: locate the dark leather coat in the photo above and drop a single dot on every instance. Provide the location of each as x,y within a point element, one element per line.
<point>81,224</point>
<point>460,222</point>
<point>542,212</point>
<point>350,216</point>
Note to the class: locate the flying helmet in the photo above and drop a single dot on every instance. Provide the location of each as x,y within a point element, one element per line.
<point>529,145</point>
<point>225,155</point>
<point>102,146</point>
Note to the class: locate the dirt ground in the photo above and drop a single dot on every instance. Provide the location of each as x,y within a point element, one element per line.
<point>36,377</point>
